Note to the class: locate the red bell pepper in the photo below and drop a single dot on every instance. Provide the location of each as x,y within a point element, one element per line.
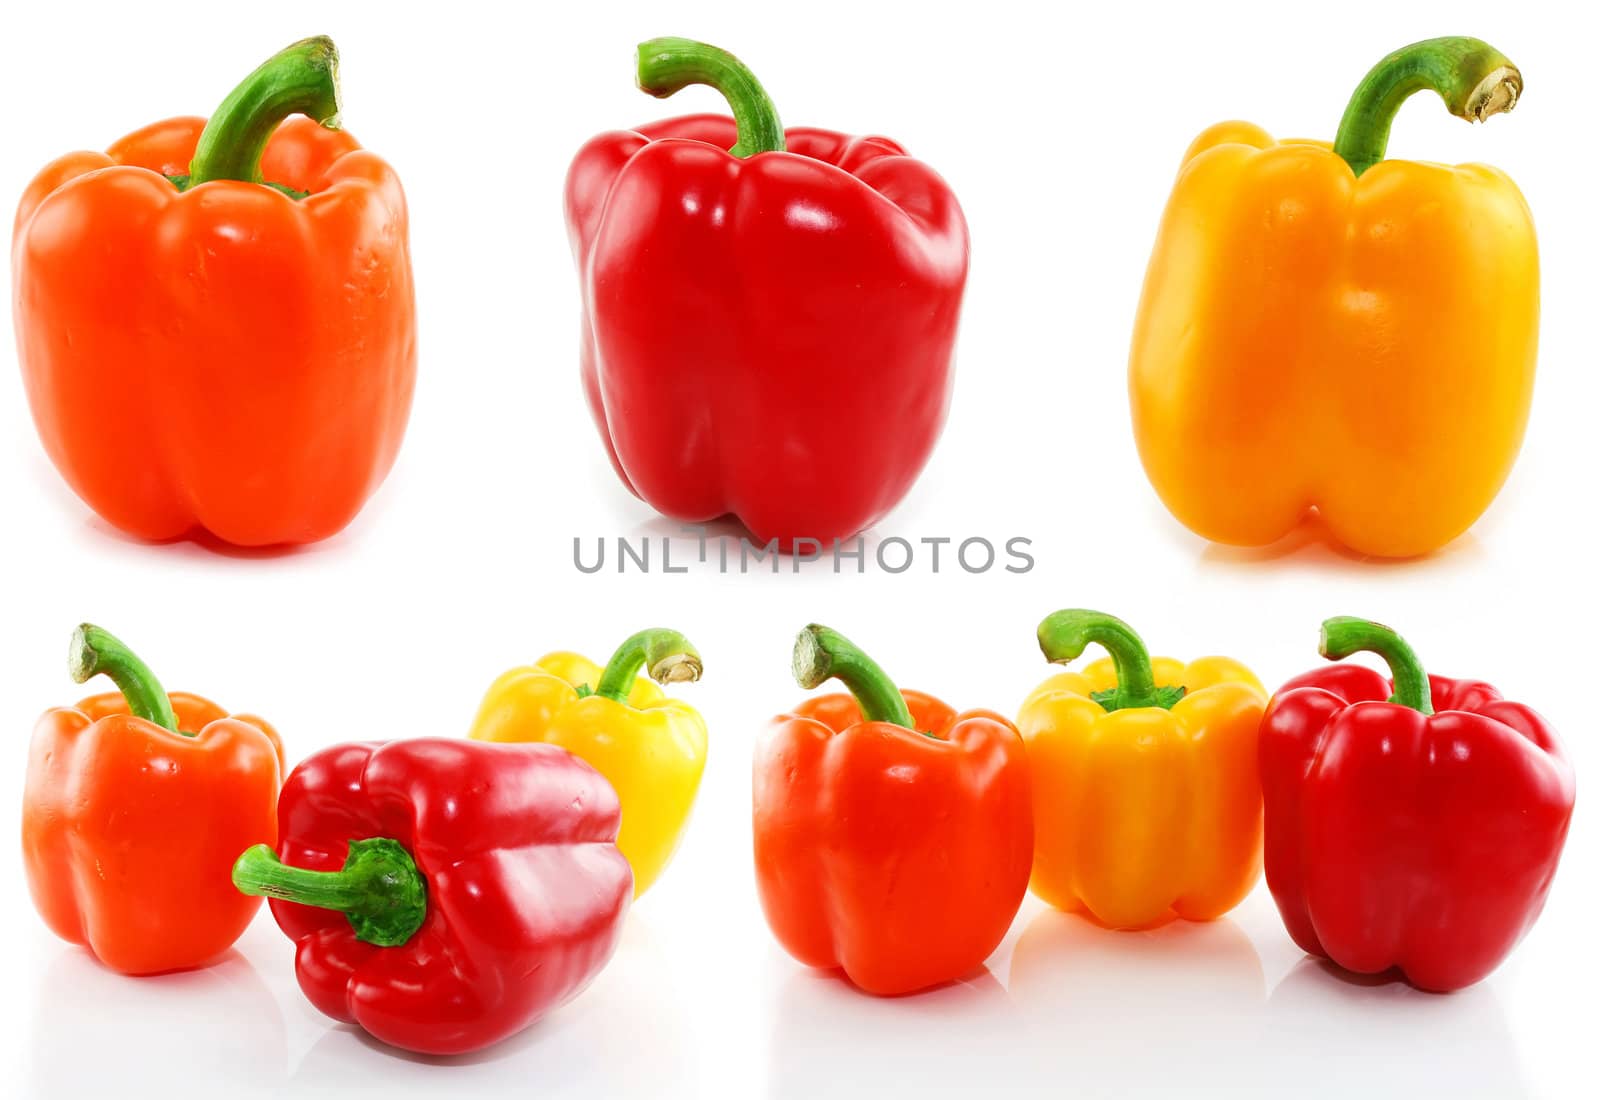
<point>893,836</point>
<point>444,894</point>
<point>770,315</point>
<point>1413,824</point>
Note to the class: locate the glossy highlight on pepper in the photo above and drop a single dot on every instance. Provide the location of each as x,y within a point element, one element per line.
<point>135,805</point>
<point>1413,824</point>
<point>651,748</point>
<point>215,319</point>
<point>769,314</point>
<point>1147,802</point>
<point>892,835</point>
<point>1325,330</point>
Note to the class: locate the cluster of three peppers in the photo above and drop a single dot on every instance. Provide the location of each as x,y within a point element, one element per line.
<point>442,893</point>
<point>1411,824</point>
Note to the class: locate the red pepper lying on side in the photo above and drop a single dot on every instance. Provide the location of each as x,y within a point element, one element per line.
<point>444,894</point>
<point>769,315</point>
<point>1413,825</point>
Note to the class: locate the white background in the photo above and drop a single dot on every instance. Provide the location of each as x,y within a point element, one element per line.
<point>1061,134</point>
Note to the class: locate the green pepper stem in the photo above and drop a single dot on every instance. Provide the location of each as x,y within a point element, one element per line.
<point>1474,79</point>
<point>95,651</point>
<point>666,655</point>
<point>380,889</point>
<point>1064,635</point>
<point>300,80</point>
<point>1344,635</point>
<point>822,654</point>
<point>668,65</point>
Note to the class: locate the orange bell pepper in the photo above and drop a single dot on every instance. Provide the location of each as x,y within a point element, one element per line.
<point>892,835</point>
<point>1146,795</point>
<point>136,807</point>
<point>1322,329</point>
<point>206,352</point>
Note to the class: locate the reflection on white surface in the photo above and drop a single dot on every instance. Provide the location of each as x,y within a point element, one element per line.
<point>1184,1010</point>
<point>698,1007</point>
<point>829,1039</point>
<point>97,1033</point>
<point>234,1031</point>
<point>1390,1037</point>
<point>1166,1010</point>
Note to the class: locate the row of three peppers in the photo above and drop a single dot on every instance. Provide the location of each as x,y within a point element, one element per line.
<point>1410,824</point>
<point>751,291</point>
<point>443,893</point>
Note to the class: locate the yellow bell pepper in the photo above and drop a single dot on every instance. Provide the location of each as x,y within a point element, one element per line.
<point>1325,330</point>
<point>1146,796</point>
<point>651,748</point>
